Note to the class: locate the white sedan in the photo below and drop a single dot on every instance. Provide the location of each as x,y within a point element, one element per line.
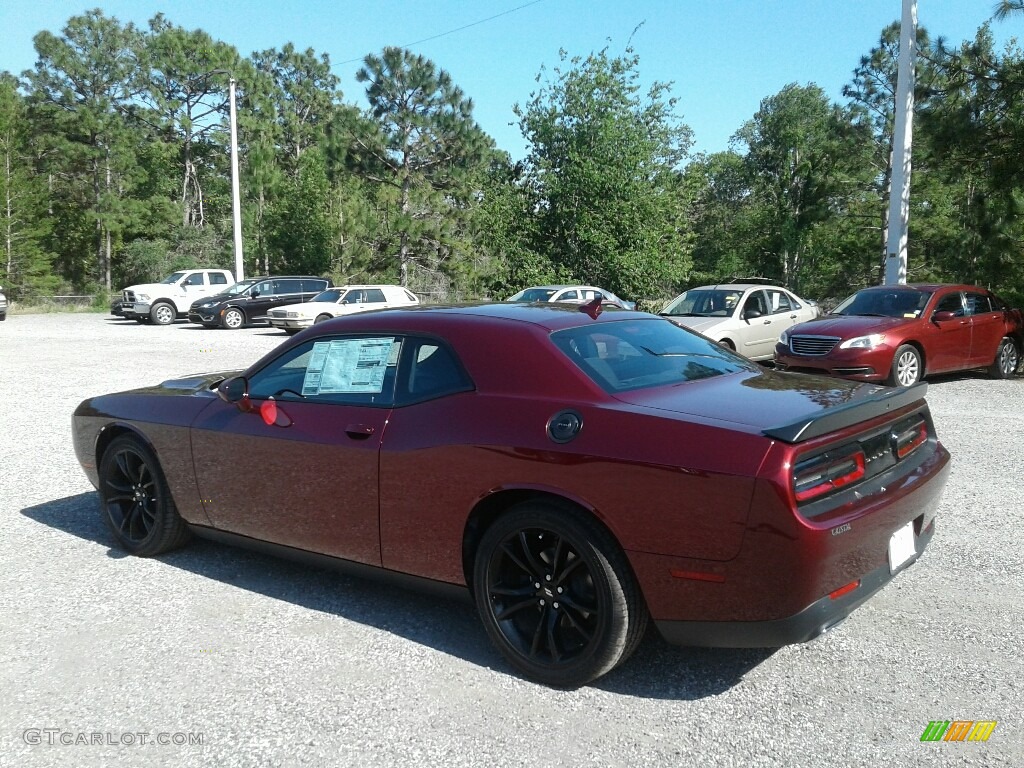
<point>334,302</point>
<point>745,317</point>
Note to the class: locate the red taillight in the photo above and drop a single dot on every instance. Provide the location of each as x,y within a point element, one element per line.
<point>822,476</point>
<point>908,441</point>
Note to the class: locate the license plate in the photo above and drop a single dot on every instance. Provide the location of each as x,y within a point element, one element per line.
<point>901,547</point>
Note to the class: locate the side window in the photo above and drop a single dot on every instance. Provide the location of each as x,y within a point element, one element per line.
<point>568,296</point>
<point>374,295</point>
<point>288,286</point>
<point>978,304</point>
<point>951,303</point>
<point>314,286</point>
<point>218,278</point>
<point>779,302</point>
<point>196,279</point>
<point>358,370</point>
<point>755,301</point>
<point>266,288</point>
<point>430,370</point>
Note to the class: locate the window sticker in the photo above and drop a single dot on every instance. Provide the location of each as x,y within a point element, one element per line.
<point>348,366</point>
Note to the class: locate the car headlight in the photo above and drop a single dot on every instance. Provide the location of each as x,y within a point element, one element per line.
<point>291,314</point>
<point>784,338</point>
<point>864,342</point>
<point>144,297</point>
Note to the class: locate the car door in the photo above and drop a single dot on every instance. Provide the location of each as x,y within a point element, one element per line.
<point>986,327</point>
<point>756,335</point>
<point>948,342</point>
<point>260,299</point>
<point>286,291</point>
<point>309,478</point>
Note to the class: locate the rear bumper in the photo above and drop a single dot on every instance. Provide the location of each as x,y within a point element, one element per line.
<point>807,624</point>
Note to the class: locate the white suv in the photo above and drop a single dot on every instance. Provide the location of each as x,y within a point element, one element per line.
<point>166,301</point>
<point>3,304</point>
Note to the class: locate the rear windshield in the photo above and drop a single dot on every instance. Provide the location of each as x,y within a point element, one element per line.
<point>639,354</point>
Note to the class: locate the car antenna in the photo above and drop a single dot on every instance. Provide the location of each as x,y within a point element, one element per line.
<point>593,308</point>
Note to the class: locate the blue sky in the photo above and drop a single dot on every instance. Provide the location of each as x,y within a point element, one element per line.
<point>722,56</point>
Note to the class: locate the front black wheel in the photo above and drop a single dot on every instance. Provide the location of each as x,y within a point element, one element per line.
<point>135,500</point>
<point>556,594</point>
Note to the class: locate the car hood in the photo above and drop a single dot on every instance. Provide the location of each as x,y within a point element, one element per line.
<point>699,324</point>
<point>755,400</point>
<point>307,307</point>
<point>848,326</point>
<point>152,287</point>
<point>216,298</point>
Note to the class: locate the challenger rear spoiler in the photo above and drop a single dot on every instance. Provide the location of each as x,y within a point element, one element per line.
<point>841,416</point>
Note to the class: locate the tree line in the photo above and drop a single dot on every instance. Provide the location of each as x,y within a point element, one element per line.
<point>116,170</point>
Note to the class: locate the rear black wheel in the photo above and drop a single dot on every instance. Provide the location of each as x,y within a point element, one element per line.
<point>1007,359</point>
<point>323,318</point>
<point>136,502</point>
<point>556,594</point>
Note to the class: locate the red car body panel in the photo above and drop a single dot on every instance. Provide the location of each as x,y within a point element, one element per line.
<point>946,345</point>
<point>691,479</point>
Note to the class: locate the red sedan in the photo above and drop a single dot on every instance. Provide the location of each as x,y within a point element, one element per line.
<point>901,333</point>
<point>577,472</point>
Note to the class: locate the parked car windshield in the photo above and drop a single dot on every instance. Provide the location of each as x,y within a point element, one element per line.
<point>639,354</point>
<point>534,294</point>
<point>330,295</point>
<point>240,287</point>
<point>172,278</point>
<point>705,302</point>
<point>885,303</point>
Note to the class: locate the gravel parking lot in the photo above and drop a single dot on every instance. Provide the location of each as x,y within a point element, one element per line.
<point>237,659</point>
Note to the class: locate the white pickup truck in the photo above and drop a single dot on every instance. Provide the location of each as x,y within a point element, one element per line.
<point>166,301</point>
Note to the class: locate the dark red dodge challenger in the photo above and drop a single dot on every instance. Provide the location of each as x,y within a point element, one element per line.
<point>580,472</point>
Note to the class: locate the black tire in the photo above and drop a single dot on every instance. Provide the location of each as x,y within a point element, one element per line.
<point>1004,366</point>
<point>135,500</point>
<point>233,318</point>
<point>728,345</point>
<point>556,594</point>
<point>907,368</point>
<point>141,320</point>
<point>163,313</point>
<point>323,318</point>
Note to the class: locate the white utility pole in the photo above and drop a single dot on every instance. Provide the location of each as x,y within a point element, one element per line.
<point>236,203</point>
<point>899,184</point>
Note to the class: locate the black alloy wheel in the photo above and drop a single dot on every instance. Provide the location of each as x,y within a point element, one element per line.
<point>135,500</point>
<point>556,594</point>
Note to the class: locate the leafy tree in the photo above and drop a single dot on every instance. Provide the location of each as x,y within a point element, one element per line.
<point>429,146</point>
<point>806,157</point>
<point>602,170</point>
<point>83,82</point>
<point>301,231</point>
<point>23,221</point>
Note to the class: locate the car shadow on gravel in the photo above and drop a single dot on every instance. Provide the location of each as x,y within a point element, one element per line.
<point>656,669</point>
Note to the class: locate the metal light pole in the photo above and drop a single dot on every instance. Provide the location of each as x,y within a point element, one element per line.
<point>899,184</point>
<point>236,203</point>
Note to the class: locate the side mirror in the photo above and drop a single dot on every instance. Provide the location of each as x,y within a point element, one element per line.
<point>235,390</point>
<point>939,317</point>
<point>255,293</point>
<point>751,314</point>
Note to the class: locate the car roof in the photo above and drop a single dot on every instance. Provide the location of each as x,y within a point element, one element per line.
<point>734,286</point>
<point>551,317</point>
<point>923,287</point>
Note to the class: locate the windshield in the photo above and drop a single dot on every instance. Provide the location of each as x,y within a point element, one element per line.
<point>639,354</point>
<point>331,295</point>
<point>534,294</point>
<point>240,287</point>
<point>172,278</point>
<point>885,302</point>
<point>704,302</point>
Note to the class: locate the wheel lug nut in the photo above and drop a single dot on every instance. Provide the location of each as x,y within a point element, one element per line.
<point>554,605</point>
<point>548,577</point>
<point>542,602</point>
<point>536,585</point>
<point>559,590</point>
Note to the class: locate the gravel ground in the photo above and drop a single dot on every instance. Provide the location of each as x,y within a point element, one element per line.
<point>269,664</point>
